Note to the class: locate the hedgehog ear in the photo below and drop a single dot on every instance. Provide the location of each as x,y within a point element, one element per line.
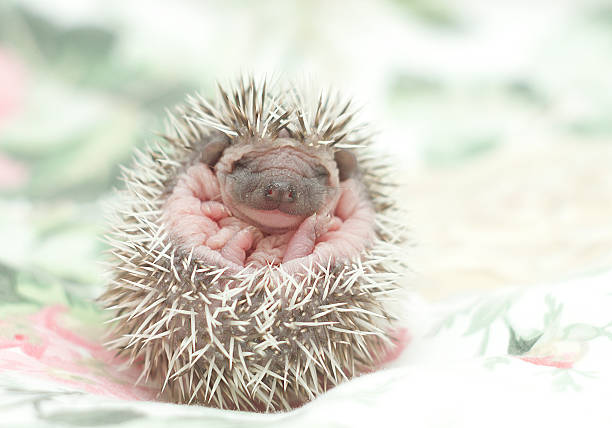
<point>213,150</point>
<point>347,164</point>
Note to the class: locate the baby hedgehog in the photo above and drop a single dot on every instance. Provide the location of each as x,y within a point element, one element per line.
<point>254,253</point>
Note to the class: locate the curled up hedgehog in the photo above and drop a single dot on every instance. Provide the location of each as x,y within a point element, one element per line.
<point>254,251</point>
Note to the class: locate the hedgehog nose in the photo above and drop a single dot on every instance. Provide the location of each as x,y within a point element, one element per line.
<point>280,191</point>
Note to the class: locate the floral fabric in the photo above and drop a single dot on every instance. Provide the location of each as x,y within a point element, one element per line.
<point>83,83</point>
<point>539,354</point>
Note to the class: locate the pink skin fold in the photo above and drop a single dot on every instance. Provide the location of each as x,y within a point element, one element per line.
<point>197,218</point>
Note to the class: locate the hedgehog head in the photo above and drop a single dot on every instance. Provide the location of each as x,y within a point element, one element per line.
<point>275,185</point>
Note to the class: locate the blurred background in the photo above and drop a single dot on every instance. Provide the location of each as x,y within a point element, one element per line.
<point>498,115</point>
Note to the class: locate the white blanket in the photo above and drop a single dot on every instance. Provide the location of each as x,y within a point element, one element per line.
<point>517,357</point>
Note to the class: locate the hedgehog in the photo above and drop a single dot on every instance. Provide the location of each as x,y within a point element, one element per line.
<point>255,253</point>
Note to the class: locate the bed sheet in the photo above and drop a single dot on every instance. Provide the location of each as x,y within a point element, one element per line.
<point>535,356</point>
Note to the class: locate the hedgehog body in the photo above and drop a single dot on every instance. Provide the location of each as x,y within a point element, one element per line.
<point>251,261</point>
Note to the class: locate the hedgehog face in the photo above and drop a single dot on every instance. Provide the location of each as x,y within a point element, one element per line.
<point>271,202</point>
<point>276,186</point>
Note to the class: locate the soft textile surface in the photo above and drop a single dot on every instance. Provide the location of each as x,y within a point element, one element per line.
<point>497,114</point>
<point>517,356</point>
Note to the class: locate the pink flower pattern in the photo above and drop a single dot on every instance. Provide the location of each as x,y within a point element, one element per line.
<point>13,174</point>
<point>12,84</point>
<point>45,349</point>
<point>559,353</point>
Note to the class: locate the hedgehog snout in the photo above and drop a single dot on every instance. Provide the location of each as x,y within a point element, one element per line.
<point>292,195</point>
<point>280,192</point>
